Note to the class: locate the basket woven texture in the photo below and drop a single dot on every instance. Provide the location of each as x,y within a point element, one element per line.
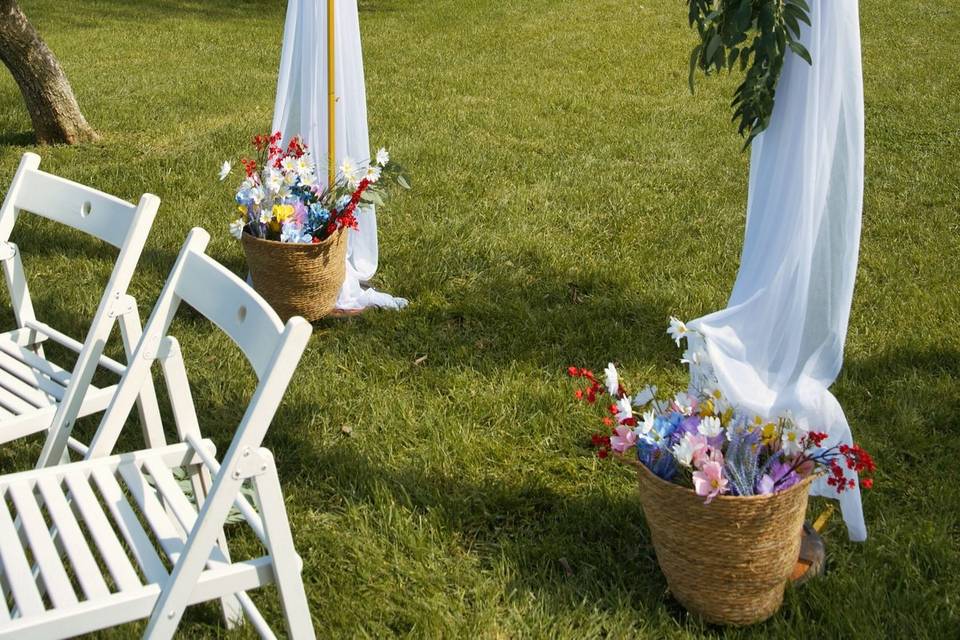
<point>727,561</point>
<point>298,279</point>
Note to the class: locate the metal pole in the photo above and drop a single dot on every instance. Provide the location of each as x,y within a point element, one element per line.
<point>331,98</point>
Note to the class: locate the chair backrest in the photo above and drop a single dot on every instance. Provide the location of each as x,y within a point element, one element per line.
<point>272,348</point>
<point>103,216</point>
<point>75,205</point>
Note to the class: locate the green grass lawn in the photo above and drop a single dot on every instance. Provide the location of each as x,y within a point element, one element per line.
<point>569,196</point>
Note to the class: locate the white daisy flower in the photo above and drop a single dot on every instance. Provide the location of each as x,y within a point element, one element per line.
<point>349,171</point>
<point>646,425</point>
<point>683,451</point>
<point>709,427</point>
<point>383,157</point>
<point>288,164</point>
<point>624,409</point>
<point>678,330</point>
<point>612,380</point>
<point>373,174</point>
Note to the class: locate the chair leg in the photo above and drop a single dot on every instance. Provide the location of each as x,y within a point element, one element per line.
<point>286,563</point>
<point>147,406</point>
<point>232,610</point>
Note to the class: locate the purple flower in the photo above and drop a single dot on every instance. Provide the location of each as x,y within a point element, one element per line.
<point>690,425</point>
<point>782,477</point>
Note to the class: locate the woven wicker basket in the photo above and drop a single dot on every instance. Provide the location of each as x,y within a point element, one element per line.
<point>727,561</point>
<point>298,279</point>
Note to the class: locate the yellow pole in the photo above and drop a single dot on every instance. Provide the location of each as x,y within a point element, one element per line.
<point>331,99</point>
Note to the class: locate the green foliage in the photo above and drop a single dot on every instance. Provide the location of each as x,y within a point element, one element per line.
<point>755,36</point>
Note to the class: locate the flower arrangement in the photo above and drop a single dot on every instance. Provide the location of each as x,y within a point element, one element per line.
<point>699,440</point>
<point>281,199</point>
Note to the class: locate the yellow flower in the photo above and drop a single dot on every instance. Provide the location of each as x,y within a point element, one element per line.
<point>706,408</point>
<point>282,211</point>
<point>769,433</point>
<point>242,210</point>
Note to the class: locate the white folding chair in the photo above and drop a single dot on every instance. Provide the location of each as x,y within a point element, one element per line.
<point>130,506</point>
<point>37,394</point>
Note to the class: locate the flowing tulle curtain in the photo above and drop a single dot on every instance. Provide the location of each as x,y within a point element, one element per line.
<point>779,343</point>
<point>301,109</point>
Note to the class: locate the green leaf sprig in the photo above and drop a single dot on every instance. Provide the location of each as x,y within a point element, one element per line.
<point>756,34</point>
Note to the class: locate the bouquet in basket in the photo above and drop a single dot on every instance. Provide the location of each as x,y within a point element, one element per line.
<point>699,440</point>
<point>281,198</point>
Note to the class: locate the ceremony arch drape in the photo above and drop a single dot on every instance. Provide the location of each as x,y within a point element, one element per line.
<point>301,109</point>
<point>779,343</point>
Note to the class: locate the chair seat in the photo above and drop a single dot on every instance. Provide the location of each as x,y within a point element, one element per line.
<point>136,516</point>
<point>31,387</point>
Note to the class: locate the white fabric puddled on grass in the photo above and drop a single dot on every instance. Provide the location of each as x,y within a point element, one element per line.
<point>301,109</point>
<point>779,343</point>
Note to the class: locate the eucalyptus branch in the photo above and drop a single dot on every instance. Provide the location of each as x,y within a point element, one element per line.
<point>756,35</point>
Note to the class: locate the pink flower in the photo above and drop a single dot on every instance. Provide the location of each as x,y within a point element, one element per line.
<point>709,481</point>
<point>703,452</point>
<point>623,438</point>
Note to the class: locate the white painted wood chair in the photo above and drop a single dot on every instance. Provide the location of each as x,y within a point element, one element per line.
<point>37,394</point>
<point>115,538</point>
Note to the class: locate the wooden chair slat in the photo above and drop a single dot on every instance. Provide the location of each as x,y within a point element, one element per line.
<point>17,571</point>
<point>106,541</point>
<point>45,553</point>
<point>71,537</point>
<point>13,403</point>
<point>28,357</point>
<point>30,375</point>
<point>29,393</point>
<point>126,520</point>
<point>170,537</point>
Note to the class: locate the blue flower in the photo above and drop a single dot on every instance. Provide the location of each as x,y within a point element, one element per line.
<point>317,217</point>
<point>658,459</point>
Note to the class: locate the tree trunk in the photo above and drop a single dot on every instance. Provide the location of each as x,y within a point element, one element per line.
<point>53,109</point>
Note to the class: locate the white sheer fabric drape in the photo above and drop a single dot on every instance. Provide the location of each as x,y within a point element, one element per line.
<point>301,109</point>
<point>779,343</point>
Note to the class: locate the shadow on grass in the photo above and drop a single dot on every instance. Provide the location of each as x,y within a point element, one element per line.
<point>922,378</point>
<point>591,546</point>
<point>516,308</point>
<point>17,139</point>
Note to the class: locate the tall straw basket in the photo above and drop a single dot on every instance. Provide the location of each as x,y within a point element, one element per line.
<point>298,279</point>
<point>727,561</point>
